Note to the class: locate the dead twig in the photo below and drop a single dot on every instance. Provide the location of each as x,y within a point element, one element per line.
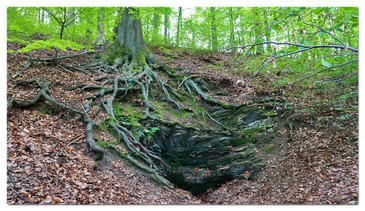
<point>21,196</point>
<point>76,138</point>
<point>171,191</point>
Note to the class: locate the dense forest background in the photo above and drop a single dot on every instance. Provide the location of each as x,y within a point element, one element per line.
<point>306,35</point>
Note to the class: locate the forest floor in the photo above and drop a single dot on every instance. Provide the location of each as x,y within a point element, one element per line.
<point>49,161</point>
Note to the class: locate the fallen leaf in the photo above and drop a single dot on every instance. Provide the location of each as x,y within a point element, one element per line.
<point>48,199</point>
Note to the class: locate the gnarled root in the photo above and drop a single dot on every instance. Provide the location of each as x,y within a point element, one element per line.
<point>153,163</point>
<point>43,92</point>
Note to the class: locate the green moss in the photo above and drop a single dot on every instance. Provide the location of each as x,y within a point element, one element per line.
<point>115,51</point>
<point>119,153</point>
<point>248,135</point>
<point>181,77</point>
<point>96,56</point>
<point>104,144</point>
<point>170,71</point>
<point>256,160</point>
<point>267,113</point>
<point>141,56</point>
<point>221,161</point>
<point>239,141</point>
<point>140,59</point>
<point>250,131</point>
<point>268,139</point>
<point>157,103</point>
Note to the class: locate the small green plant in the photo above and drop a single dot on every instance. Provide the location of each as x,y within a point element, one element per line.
<point>344,117</point>
<point>150,132</point>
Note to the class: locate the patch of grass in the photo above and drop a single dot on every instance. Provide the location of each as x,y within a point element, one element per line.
<point>269,149</point>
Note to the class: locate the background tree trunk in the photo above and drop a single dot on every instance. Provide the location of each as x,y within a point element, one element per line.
<point>268,39</point>
<point>100,27</point>
<point>179,23</point>
<point>213,29</point>
<point>165,28</point>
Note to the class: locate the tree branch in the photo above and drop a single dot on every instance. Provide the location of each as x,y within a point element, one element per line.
<point>309,76</point>
<point>297,45</point>
<point>320,28</point>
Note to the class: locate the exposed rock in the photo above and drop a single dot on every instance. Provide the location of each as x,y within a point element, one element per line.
<point>203,159</point>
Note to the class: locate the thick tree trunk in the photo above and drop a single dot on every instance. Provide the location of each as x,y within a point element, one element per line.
<point>128,47</point>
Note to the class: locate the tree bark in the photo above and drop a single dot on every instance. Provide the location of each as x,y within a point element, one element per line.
<point>100,27</point>
<point>268,39</point>
<point>166,26</point>
<point>179,23</point>
<point>128,47</point>
<point>213,29</point>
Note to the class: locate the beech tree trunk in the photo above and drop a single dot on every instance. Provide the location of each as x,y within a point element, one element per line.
<point>128,47</point>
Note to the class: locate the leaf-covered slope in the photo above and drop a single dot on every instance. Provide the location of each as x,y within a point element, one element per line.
<point>322,158</point>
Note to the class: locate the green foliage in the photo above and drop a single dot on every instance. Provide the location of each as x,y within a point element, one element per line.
<point>51,44</point>
<point>228,26</point>
<point>150,132</point>
<point>26,25</point>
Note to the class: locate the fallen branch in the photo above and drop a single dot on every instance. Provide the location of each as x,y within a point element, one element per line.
<point>307,47</point>
<point>253,77</point>
<point>335,81</point>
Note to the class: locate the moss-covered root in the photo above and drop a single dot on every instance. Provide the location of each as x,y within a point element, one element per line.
<point>154,173</point>
<point>161,85</point>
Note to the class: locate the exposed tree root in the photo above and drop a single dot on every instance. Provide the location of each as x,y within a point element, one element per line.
<point>89,139</point>
<point>21,82</point>
<point>43,92</point>
<point>191,83</point>
<point>31,60</point>
<point>129,79</point>
<point>137,151</point>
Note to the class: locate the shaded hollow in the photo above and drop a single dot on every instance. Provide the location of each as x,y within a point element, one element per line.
<point>204,144</point>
